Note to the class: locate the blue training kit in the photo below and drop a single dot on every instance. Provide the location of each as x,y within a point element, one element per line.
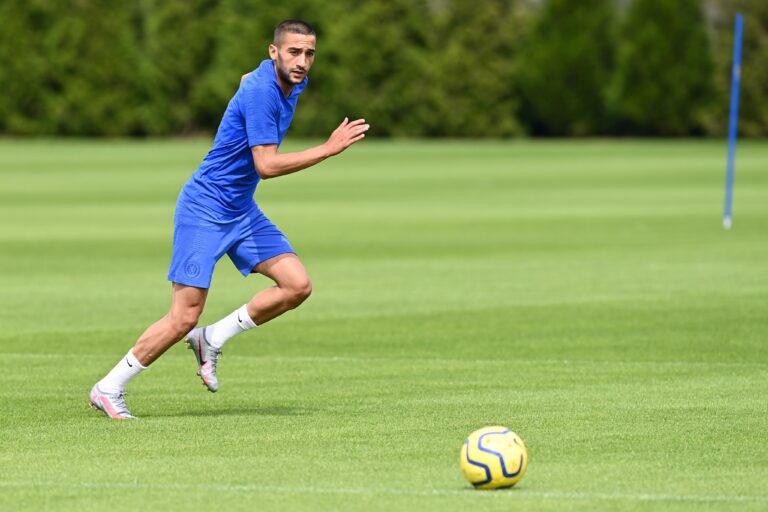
<point>215,211</point>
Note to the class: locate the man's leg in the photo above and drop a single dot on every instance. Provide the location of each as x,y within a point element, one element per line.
<point>186,306</point>
<point>292,287</point>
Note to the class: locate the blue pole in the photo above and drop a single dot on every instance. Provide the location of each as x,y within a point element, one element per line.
<point>733,121</point>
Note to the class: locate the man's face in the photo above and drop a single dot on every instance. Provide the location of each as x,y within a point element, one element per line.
<point>293,55</point>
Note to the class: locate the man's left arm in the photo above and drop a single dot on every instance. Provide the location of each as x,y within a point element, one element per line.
<point>271,164</point>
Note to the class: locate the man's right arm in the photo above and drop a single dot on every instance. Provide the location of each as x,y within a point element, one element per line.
<point>271,164</point>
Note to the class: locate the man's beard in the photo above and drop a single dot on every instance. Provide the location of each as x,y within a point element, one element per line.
<point>285,75</point>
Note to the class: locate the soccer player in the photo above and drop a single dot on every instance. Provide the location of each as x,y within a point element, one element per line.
<point>216,215</point>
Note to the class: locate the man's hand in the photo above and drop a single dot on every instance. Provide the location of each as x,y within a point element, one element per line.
<point>345,135</point>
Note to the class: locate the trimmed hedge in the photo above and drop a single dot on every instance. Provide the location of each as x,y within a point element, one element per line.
<point>496,68</point>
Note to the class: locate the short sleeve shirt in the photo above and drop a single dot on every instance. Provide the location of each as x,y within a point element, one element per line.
<point>258,114</point>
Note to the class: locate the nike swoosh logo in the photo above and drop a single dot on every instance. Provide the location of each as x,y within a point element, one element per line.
<point>200,351</point>
<point>129,363</point>
<point>238,316</point>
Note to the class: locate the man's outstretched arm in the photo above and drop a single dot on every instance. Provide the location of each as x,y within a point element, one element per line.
<point>271,164</point>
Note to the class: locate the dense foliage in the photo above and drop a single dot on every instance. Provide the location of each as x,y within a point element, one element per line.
<point>411,67</point>
<point>663,80</point>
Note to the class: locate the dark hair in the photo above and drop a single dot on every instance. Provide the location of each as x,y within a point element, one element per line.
<point>293,27</point>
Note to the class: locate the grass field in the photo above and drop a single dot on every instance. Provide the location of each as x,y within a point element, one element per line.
<point>581,293</point>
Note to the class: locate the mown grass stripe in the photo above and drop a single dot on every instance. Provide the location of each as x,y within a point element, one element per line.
<point>515,493</point>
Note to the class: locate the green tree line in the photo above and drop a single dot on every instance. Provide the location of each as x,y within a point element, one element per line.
<point>455,68</point>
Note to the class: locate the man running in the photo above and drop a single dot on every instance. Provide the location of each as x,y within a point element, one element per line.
<point>216,215</point>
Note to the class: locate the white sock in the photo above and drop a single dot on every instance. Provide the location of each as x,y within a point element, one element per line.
<point>228,327</point>
<point>124,371</point>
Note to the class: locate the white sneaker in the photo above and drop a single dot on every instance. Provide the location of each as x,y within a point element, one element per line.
<point>207,358</point>
<point>111,404</point>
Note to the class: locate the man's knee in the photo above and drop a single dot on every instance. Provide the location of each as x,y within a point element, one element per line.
<point>298,291</point>
<point>184,321</point>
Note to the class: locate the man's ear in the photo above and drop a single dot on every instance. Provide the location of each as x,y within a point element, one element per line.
<point>273,52</point>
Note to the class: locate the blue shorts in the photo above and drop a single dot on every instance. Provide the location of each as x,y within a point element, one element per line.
<point>201,237</point>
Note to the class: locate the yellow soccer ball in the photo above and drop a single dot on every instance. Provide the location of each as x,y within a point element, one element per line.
<point>493,457</point>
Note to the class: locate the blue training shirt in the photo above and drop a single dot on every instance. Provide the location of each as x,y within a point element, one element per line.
<point>259,113</point>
